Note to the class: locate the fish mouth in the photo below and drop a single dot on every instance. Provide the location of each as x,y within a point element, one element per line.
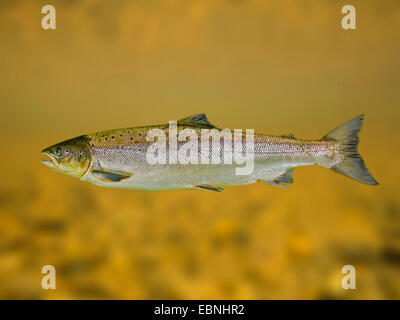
<point>49,160</point>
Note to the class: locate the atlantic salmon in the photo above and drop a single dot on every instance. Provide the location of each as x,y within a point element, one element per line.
<point>119,158</point>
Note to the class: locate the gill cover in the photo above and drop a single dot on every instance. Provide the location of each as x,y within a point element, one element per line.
<point>72,157</point>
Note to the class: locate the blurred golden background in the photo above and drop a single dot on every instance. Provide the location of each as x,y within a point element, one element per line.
<point>276,66</point>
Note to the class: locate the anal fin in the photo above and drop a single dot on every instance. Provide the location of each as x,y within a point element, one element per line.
<point>207,187</point>
<point>285,177</point>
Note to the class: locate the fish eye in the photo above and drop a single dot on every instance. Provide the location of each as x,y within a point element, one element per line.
<point>59,151</point>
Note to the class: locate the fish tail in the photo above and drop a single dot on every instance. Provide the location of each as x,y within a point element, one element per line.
<point>351,165</point>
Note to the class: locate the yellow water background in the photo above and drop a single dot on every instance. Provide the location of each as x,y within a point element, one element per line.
<point>276,66</point>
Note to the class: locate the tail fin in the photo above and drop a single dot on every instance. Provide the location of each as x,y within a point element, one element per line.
<point>352,165</point>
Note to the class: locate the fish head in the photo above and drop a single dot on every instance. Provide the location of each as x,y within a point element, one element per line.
<point>72,157</point>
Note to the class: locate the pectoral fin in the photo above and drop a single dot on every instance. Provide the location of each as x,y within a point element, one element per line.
<point>210,188</point>
<point>110,176</point>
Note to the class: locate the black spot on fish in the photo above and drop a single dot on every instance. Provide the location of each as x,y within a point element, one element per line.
<point>106,138</point>
<point>120,134</point>
<point>112,137</point>
<point>139,134</point>
<point>131,138</point>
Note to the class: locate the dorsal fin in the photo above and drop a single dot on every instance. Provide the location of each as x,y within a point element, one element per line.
<point>196,120</point>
